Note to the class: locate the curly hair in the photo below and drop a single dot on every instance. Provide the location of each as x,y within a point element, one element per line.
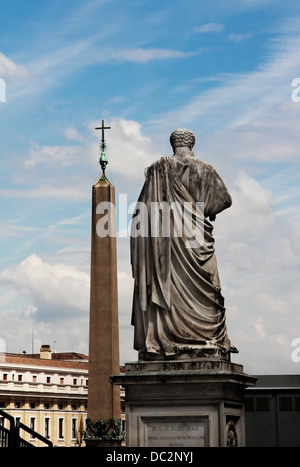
<point>182,138</point>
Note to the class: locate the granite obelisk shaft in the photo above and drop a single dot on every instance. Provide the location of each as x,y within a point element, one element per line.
<point>103,396</point>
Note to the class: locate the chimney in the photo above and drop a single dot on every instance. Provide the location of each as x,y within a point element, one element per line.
<point>46,352</point>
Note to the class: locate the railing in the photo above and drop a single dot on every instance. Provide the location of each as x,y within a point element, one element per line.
<point>10,437</point>
<point>6,434</point>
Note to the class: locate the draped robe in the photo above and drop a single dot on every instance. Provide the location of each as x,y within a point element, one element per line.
<point>177,302</point>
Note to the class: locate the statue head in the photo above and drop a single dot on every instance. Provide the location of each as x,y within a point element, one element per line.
<point>182,138</point>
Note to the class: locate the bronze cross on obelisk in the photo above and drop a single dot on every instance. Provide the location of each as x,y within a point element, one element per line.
<point>103,128</point>
<point>103,158</point>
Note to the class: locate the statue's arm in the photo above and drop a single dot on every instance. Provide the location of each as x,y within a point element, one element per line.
<point>219,197</point>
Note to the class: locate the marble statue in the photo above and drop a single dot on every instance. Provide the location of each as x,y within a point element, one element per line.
<point>178,308</point>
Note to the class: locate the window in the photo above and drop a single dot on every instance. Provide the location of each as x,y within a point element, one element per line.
<point>47,406</point>
<point>34,379</point>
<point>249,404</point>
<point>74,381</point>
<point>48,379</point>
<point>61,428</point>
<point>60,407</point>
<point>74,406</point>
<point>32,405</point>
<point>123,405</point>
<point>285,404</point>
<point>62,380</point>
<point>20,377</point>
<point>263,404</point>
<point>4,377</point>
<point>74,428</point>
<point>259,404</point>
<point>32,424</point>
<point>297,403</point>
<point>17,405</point>
<point>47,427</point>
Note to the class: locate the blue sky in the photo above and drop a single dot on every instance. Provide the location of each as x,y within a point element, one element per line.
<point>223,70</point>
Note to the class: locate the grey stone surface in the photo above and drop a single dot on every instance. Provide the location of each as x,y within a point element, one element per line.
<point>184,403</point>
<point>178,307</point>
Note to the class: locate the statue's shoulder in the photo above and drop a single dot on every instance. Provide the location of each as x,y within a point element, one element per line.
<point>156,164</point>
<point>193,162</point>
<point>203,165</point>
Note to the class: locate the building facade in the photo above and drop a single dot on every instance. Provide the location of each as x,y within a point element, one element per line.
<point>46,392</point>
<point>273,411</point>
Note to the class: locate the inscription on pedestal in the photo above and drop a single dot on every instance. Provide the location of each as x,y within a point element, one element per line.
<point>176,432</point>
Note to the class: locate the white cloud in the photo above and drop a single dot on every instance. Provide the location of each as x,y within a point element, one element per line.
<point>272,304</point>
<point>252,251</point>
<point>72,134</point>
<point>258,326</point>
<point>239,99</point>
<point>141,55</point>
<point>52,298</point>
<point>51,290</point>
<point>210,27</point>
<point>258,266</point>
<point>251,214</point>
<point>70,193</point>
<point>11,229</point>
<point>68,171</point>
<point>129,150</point>
<point>48,70</point>
<point>45,64</point>
<point>47,155</point>
<point>2,346</point>
<point>234,37</point>
<point>117,99</point>
<point>11,69</point>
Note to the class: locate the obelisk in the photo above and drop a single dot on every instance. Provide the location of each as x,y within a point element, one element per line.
<point>104,407</point>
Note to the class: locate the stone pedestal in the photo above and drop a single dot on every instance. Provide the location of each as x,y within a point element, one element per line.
<point>184,403</point>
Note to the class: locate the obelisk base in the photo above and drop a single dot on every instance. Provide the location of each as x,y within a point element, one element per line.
<point>103,433</point>
<point>102,444</point>
<point>96,443</point>
<point>184,403</point>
